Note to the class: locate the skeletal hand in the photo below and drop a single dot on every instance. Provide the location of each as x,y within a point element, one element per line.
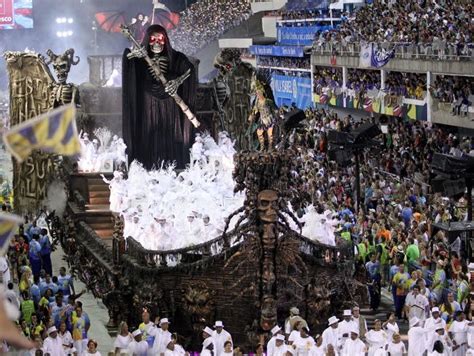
<point>171,87</point>
<point>137,53</point>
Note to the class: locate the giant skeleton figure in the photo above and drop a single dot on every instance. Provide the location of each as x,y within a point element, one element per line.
<point>154,126</point>
<point>62,92</point>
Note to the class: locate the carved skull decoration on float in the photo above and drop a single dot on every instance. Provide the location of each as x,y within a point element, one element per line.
<point>267,206</point>
<point>62,63</point>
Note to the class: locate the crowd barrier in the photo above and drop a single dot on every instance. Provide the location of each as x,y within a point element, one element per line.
<point>434,51</point>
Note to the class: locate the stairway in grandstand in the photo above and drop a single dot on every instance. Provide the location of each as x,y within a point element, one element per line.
<point>95,210</point>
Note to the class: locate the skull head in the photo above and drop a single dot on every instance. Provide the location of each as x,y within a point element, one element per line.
<point>267,206</point>
<point>268,313</point>
<point>157,42</point>
<point>62,63</point>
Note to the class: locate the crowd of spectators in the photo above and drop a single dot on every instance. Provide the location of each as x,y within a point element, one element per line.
<point>308,14</point>
<point>205,21</point>
<point>327,77</point>
<point>441,27</point>
<point>51,313</point>
<point>363,80</point>
<point>425,271</point>
<point>284,62</point>
<point>397,84</point>
<point>457,91</point>
<point>409,85</point>
<point>291,73</point>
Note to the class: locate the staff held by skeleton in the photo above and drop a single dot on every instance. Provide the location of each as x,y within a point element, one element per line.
<point>171,87</point>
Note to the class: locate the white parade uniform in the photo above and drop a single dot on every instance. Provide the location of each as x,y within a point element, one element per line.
<point>459,334</point>
<point>332,336</point>
<point>396,349</point>
<point>271,346</point>
<point>376,340</point>
<point>138,348</point>
<point>66,339</point>
<point>317,351</point>
<point>391,329</point>
<point>418,305</point>
<point>345,327</point>
<point>353,348</point>
<point>430,326</point>
<point>4,270</point>
<point>162,339</point>
<point>53,346</point>
<point>303,345</point>
<point>219,341</point>
<point>280,351</point>
<point>178,351</point>
<point>416,341</point>
<point>122,342</point>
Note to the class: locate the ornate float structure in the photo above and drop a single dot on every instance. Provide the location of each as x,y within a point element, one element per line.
<point>249,277</point>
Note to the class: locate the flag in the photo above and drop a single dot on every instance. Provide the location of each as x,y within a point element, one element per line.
<point>8,225</point>
<point>373,56</point>
<point>53,132</point>
<point>381,57</point>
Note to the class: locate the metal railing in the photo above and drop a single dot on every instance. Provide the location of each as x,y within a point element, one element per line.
<point>323,254</point>
<point>434,51</point>
<point>170,258</point>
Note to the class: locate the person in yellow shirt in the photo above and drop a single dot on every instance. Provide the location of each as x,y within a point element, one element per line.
<point>401,283</point>
<point>419,92</point>
<point>25,283</point>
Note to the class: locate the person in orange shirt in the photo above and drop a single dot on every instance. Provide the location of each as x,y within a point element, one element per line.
<point>384,233</point>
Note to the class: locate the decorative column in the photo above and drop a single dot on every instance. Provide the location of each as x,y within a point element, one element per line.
<point>344,85</point>
<point>383,78</point>
<point>430,77</point>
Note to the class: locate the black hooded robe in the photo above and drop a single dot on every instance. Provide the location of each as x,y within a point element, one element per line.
<point>154,127</point>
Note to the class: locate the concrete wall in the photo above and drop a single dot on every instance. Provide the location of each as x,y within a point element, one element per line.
<point>235,42</point>
<point>259,6</point>
<point>442,114</point>
<point>269,26</point>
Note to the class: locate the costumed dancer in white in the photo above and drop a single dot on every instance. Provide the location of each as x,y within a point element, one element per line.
<point>416,338</point>
<point>440,335</point>
<point>53,344</point>
<point>332,336</point>
<point>396,347</point>
<point>280,347</point>
<point>271,343</point>
<point>173,348</point>
<point>376,338</point>
<point>303,343</point>
<point>391,326</point>
<point>354,346</point>
<point>458,333</point>
<point>117,191</point>
<point>124,338</point>
<point>162,337</point>
<point>208,344</point>
<point>346,326</point>
<point>138,347</point>
<point>318,349</point>
<point>220,336</point>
